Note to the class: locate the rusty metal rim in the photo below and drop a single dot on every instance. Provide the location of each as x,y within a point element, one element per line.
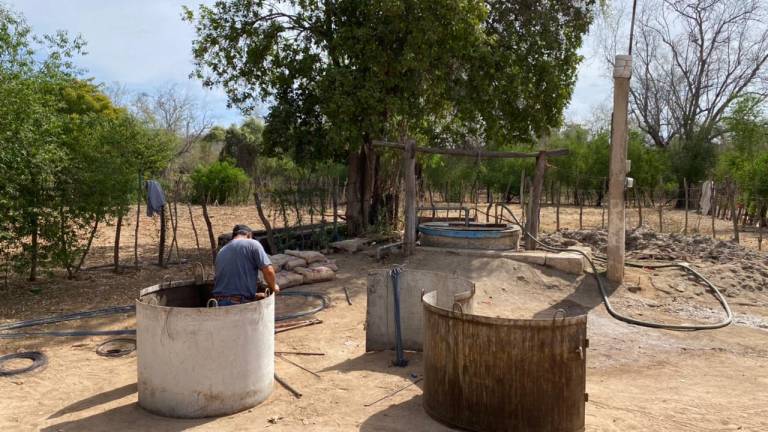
<point>511,322</point>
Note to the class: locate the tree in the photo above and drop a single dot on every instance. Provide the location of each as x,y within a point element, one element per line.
<point>176,112</point>
<point>68,156</point>
<point>243,144</point>
<point>692,61</point>
<point>340,74</point>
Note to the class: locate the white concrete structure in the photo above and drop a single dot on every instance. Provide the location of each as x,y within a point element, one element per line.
<point>379,320</point>
<point>195,361</point>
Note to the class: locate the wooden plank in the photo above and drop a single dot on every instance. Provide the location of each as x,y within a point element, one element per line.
<point>532,225</point>
<point>483,154</point>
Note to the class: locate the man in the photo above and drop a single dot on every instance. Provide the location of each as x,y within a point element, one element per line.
<point>237,270</point>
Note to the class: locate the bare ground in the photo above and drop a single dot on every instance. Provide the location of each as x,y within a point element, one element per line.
<point>638,379</point>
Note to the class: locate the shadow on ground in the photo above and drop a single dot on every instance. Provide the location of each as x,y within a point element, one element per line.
<point>126,417</point>
<point>412,409</point>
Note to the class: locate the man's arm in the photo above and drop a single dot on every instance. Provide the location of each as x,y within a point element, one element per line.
<point>269,277</point>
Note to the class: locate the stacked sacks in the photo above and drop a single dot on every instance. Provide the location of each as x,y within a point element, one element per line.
<point>302,267</point>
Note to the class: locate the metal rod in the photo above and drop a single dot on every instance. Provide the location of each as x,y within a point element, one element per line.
<point>298,365</point>
<point>394,392</point>
<point>309,323</point>
<point>300,353</point>
<point>288,387</point>
<point>346,293</point>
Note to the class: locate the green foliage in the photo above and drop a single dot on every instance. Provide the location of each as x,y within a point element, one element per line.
<point>243,144</point>
<point>218,182</point>
<point>341,73</point>
<point>68,157</point>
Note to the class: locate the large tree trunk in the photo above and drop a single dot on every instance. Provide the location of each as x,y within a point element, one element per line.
<point>361,177</point>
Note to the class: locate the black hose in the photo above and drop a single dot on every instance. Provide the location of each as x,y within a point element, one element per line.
<point>307,294</point>
<point>679,327</point>
<point>68,317</point>
<point>125,309</point>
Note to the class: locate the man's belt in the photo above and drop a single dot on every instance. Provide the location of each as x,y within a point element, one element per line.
<point>235,299</point>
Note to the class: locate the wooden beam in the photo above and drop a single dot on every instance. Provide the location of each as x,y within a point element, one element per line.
<point>482,154</point>
<point>618,168</point>
<point>532,224</point>
<point>409,171</point>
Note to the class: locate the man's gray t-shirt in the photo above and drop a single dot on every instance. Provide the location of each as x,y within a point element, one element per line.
<point>237,268</point>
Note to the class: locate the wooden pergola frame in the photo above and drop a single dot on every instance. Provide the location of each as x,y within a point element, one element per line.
<point>409,148</point>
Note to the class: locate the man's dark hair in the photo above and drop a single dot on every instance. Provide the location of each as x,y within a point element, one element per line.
<point>241,230</point>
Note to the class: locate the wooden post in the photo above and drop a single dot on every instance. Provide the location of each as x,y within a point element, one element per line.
<point>622,71</point>
<point>208,224</point>
<point>116,252</point>
<point>661,216</point>
<point>194,228</point>
<point>136,228</point>
<point>734,216</point>
<point>639,204</point>
<point>264,221</point>
<point>557,211</point>
<point>580,199</point>
<point>522,195</point>
<point>685,226</point>
<point>163,228</point>
<point>409,170</point>
<point>712,208</point>
<point>532,224</point>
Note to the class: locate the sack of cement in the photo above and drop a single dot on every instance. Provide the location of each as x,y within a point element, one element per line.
<point>279,260</point>
<point>350,245</point>
<point>286,279</point>
<point>330,264</point>
<point>293,263</point>
<point>308,256</point>
<point>317,274</point>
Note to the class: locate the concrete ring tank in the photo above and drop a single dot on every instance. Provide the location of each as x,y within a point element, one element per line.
<point>195,361</point>
<point>474,235</point>
<point>496,374</point>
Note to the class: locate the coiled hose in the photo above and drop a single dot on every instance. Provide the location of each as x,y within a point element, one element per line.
<point>685,266</point>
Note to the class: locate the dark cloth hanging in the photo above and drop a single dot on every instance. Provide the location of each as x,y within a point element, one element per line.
<point>155,197</point>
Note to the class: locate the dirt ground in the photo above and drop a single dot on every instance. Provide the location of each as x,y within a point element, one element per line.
<point>638,379</point>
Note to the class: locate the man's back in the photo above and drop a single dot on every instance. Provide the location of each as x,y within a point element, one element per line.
<point>237,268</point>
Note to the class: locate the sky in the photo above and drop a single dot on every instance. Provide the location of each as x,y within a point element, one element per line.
<point>144,45</point>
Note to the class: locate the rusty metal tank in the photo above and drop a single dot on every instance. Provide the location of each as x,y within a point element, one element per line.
<point>195,361</point>
<point>496,374</point>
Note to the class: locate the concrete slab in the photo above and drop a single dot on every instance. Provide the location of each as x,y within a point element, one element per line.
<point>564,261</point>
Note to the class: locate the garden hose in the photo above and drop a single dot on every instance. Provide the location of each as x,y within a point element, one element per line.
<point>685,266</point>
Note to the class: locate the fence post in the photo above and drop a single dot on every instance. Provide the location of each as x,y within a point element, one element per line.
<point>713,208</point>
<point>557,212</point>
<point>409,170</point>
<point>685,226</point>
<point>532,225</point>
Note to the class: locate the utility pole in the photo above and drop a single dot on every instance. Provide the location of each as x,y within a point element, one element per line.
<point>409,171</point>
<point>622,71</point>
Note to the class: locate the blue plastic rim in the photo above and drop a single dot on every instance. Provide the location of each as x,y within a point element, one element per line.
<point>472,231</point>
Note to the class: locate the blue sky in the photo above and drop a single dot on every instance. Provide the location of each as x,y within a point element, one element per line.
<point>145,45</point>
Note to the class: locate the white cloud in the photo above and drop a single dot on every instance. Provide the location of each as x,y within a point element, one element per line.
<point>140,43</point>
